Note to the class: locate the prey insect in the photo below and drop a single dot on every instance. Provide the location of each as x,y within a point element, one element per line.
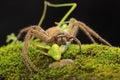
<point>59,36</point>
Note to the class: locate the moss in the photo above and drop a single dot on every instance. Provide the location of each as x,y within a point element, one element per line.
<point>93,63</point>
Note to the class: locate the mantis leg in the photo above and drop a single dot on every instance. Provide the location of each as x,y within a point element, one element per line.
<point>43,14</point>
<point>46,3</point>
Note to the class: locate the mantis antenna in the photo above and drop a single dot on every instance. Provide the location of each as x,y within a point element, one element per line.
<point>46,3</point>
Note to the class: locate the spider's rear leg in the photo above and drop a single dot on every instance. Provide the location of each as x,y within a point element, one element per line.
<point>93,33</point>
<point>39,33</point>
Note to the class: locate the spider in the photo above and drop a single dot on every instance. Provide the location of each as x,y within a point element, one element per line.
<point>59,36</point>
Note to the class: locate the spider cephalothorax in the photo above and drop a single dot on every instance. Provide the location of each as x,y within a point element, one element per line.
<point>59,36</point>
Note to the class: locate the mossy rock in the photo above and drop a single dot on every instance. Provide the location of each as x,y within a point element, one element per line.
<point>94,62</point>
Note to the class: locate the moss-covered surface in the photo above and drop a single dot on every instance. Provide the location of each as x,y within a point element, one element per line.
<point>95,62</point>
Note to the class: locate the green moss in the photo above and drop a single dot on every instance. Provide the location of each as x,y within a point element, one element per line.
<point>93,63</point>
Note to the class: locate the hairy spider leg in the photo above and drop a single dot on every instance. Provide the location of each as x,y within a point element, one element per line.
<point>78,42</point>
<point>28,28</point>
<point>93,33</point>
<point>74,27</point>
<point>46,3</point>
<point>24,55</point>
<point>39,33</point>
<point>24,30</point>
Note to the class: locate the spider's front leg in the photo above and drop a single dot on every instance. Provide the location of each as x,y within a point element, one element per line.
<point>28,28</point>
<point>39,33</point>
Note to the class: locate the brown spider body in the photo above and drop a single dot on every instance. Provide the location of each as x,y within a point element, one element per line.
<point>58,36</point>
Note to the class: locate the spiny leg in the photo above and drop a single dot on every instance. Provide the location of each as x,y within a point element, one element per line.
<point>37,33</point>
<point>25,57</point>
<point>46,3</point>
<point>74,27</point>
<point>78,42</point>
<point>93,33</point>
<point>31,27</point>
<point>24,30</point>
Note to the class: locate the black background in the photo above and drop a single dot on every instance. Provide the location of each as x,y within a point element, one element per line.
<point>101,15</point>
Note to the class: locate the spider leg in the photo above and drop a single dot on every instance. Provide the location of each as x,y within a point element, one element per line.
<point>24,30</point>
<point>74,27</point>
<point>93,33</point>
<point>78,42</point>
<point>28,28</point>
<point>24,55</point>
<point>39,33</point>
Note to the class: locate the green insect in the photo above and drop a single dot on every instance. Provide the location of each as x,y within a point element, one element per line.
<point>59,37</point>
